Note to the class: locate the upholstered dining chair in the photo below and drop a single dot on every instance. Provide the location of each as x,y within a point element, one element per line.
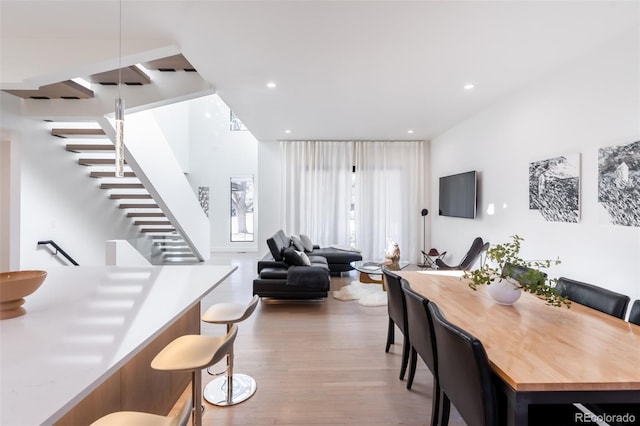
<point>422,342</point>
<point>634,313</point>
<point>595,297</point>
<point>468,260</point>
<point>397,309</point>
<point>465,377</point>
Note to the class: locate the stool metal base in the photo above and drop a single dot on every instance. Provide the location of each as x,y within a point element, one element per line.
<point>243,388</point>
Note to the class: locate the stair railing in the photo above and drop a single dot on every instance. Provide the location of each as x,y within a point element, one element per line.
<point>58,250</point>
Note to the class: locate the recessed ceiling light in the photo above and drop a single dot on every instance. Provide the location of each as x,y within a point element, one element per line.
<point>468,86</point>
<point>287,131</point>
<point>271,85</point>
<point>410,132</point>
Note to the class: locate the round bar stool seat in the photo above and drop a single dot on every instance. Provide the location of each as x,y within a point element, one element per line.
<point>137,418</point>
<point>232,388</point>
<point>195,352</point>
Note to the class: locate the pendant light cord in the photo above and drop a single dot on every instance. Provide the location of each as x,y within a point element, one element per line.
<point>119,47</point>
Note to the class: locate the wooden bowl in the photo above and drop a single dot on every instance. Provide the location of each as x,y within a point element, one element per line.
<point>14,287</point>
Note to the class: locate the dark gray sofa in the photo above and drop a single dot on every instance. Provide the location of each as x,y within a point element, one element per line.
<point>281,277</point>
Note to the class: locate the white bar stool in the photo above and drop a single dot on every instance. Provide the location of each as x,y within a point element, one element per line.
<point>137,418</point>
<point>233,388</point>
<point>194,352</point>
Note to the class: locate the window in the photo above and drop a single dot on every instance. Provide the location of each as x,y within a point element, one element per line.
<point>242,208</point>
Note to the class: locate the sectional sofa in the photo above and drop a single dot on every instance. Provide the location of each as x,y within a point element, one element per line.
<point>291,270</point>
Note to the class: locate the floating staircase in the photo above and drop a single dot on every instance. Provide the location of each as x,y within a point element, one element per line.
<point>167,245</point>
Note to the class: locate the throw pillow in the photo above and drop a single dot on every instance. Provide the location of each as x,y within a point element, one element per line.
<point>305,258</point>
<point>297,242</point>
<point>292,258</point>
<point>306,242</point>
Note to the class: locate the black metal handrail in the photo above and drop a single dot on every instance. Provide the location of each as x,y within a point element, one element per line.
<point>58,250</point>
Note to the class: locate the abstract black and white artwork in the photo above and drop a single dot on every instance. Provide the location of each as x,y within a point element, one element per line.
<point>203,197</point>
<point>619,183</point>
<point>554,188</point>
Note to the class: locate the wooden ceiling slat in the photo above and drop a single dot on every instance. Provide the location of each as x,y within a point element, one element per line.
<point>176,62</point>
<point>64,90</point>
<point>130,75</point>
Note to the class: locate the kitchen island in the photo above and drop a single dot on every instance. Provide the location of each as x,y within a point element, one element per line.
<point>84,346</point>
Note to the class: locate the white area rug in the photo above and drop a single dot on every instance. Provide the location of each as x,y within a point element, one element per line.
<point>365,294</point>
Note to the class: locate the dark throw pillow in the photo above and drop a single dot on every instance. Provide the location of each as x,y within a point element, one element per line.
<point>292,258</point>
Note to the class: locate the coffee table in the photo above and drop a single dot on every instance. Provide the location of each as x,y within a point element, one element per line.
<point>372,267</point>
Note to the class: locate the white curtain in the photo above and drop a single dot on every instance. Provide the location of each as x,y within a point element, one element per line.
<point>317,190</point>
<point>390,193</point>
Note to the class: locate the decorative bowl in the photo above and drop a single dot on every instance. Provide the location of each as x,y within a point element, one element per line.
<point>14,287</point>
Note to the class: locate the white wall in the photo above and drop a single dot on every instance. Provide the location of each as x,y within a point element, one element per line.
<point>590,103</point>
<point>217,154</point>
<point>270,196</point>
<point>10,124</point>
<point>173,120</point>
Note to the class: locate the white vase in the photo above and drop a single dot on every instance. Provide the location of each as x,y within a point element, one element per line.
<point>505,291</point>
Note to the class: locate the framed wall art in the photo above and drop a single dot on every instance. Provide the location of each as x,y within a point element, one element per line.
<point>554,188</point>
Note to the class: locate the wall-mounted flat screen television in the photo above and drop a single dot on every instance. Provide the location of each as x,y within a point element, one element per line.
<point>458,195</point>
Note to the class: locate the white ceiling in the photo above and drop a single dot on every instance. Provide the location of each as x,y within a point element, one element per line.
<point>343,69</point>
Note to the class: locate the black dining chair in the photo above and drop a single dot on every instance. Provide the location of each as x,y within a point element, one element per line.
<point>464,373</point>
<point>422,342</point>
<point>472,255</point>
<point>595,297</point>
<point>634,313</point>
<point>397,309</point>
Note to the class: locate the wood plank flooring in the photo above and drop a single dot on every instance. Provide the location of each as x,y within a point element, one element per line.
<point>316,363</point>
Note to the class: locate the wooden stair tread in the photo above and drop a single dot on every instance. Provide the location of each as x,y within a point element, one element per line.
<point>97,161</point>
<point>110,174</point>
<point>89,148</point>
<point>170,243</point>
<point>121,186</point>
<point>140,214</point>
<point>145,230</point>
<point>138,206</point>
<point>130,196</point>
<point>178,250</point>
<point>66,133</point>
<point>152,222</point>
<point>180,255</point>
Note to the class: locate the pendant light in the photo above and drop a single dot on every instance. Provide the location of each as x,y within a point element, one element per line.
<point>119,108</point>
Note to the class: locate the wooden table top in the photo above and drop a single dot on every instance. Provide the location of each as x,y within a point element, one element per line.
<point>536,347</point>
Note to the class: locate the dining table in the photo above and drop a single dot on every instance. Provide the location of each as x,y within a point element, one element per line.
<point>541,354</point>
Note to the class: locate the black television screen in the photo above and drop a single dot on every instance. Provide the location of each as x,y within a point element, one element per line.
<point>458,195</point>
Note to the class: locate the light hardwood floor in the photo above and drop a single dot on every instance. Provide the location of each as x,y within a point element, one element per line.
<point>318,363</point>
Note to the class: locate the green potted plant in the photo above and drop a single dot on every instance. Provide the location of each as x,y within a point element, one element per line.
<point>508,274</point>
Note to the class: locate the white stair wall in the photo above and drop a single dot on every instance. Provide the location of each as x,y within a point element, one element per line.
<point>122,253</point>
<point>150,157</point>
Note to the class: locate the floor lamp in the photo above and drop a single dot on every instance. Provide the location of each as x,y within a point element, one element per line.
<point>424,214</point>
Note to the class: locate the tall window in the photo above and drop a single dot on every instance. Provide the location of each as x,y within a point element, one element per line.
<point>242,208</point>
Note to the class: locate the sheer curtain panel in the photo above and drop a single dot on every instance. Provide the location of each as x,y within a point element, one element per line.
<point>389,194</point>
<point>316,185</point>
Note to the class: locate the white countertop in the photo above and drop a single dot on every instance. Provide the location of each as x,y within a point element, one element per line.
<point>82,325</point>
